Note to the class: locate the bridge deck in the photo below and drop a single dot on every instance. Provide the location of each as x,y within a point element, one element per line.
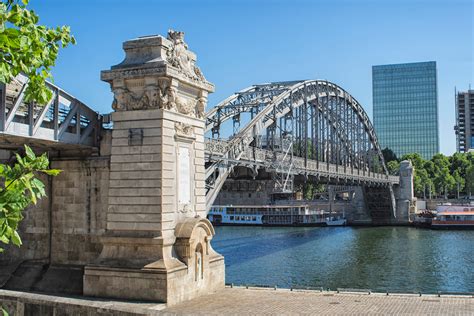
<point>280,162</point>
<point>63,121</point>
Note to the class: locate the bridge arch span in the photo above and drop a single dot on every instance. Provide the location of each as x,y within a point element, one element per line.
<point>325,129</point>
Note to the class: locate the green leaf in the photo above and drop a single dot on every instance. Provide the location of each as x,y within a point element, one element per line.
<point>19,159</point>
<point>52,172</point>
<point>4,239</point>
<point>16,239</point>
<point>29,152</point>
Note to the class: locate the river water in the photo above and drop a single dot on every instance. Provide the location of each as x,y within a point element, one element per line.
<point>396,259</point>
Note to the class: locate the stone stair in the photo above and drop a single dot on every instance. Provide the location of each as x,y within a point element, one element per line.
<point>34,276</point>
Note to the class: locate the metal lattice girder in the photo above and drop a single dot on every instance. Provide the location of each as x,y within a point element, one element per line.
<point>326,125</point>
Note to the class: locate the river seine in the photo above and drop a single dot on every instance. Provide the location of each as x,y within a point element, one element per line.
<point>396,259</point>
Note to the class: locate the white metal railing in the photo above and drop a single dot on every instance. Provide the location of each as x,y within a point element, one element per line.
<point>63,119</point>
<point>218,148</point>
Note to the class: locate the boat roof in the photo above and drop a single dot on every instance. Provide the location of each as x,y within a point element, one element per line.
<point>457,213</point>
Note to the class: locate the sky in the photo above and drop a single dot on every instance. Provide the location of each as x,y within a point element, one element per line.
<point>240,43</point>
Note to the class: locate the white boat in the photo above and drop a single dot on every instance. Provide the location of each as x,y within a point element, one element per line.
<point>274,215</point>
<point>454,216</point>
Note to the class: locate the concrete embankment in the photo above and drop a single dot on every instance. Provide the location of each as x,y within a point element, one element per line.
<point>242,301</point>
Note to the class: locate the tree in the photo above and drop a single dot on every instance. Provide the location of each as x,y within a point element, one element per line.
<point>20,188</point>
<point>389,155</point>
<point>416,160</point>
<point>444,181</point>
<point>424,183</point>
<point>459,162</point>
<point>470,180</point>
<point>29,48</point>
<point>459,182</point>
<point>393,167</point>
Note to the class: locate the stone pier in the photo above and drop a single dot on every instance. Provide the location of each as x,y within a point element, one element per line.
<point>406,201</point>
<point>157,240</point>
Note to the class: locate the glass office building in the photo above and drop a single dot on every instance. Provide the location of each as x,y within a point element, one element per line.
<point>405,112</point>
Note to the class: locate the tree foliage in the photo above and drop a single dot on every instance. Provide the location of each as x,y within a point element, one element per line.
<point>29,48</point>
<point>20,188</point>
<point>441,176</point>
<point>393,167</point>
<point>469,180</point>
<point>389,155</point>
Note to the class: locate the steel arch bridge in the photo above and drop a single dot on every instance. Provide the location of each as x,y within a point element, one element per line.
<point>312,128</point>
<point>308,127</point>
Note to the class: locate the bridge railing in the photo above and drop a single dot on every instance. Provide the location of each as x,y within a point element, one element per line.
<point>296,165</point>
<point>63,119</point>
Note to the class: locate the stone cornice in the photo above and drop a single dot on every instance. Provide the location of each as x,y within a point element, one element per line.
<point>162,70</point>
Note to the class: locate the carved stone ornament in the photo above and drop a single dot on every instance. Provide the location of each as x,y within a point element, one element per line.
<point>154,96</point>
<point>162,97</point>
<point>186,106</point>
<point>124,100</point>
<point>185,209</point>
<point>184,130</point>
<point>201,107</point>
<point>178,57</point>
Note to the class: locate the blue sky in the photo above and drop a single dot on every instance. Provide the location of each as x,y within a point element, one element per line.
<point>240,43</point>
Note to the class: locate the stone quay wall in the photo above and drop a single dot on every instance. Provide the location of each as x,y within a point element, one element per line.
<point>65,226</point>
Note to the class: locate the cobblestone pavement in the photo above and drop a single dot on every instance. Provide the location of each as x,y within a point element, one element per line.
<point>241,301</point>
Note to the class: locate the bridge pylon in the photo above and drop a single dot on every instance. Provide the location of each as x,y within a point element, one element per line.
<point>157,243</point>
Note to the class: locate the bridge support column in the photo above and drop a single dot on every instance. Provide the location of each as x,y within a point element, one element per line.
<point>157,246</point>
<point>406,201</point>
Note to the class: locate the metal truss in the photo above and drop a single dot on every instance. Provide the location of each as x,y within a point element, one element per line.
<point>64,120</point>
<point>330,134</point>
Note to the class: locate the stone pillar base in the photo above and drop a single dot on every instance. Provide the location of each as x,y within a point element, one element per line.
<point>141,269</point>
<point>173,286</point>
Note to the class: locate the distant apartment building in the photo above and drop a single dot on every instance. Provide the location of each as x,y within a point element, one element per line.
<point>405,107</point>
<point>465,121</point>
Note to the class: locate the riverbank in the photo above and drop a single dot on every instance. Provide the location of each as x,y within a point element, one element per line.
<point>242,301</point>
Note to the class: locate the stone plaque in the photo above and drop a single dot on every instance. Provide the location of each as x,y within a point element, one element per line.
<point>184,176</point>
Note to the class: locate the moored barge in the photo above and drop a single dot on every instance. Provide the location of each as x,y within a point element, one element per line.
<point>274,215</point>
<point>454,219</point>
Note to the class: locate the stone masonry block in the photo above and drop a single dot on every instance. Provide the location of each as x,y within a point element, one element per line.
<point>136,157</point>
<point>136,217</point>
<point>134,200</point>
<point>143,183</point>
<point>134,192</point>
<point>133,226</point>
<point>152,209</point>
<point>134,166</point>
<point>130,175</point>
<point>147,132</point>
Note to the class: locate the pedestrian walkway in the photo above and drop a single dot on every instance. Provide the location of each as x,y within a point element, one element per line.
<point>241,301</point>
